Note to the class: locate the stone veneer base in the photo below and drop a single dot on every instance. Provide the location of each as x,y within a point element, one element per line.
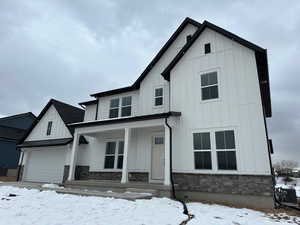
<point>244,190</point>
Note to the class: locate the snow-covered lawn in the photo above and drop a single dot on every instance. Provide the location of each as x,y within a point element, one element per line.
<point>32,207</point>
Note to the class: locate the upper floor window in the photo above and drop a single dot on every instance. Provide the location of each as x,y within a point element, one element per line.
<point>114,108</point>
<point>209,86</point>
<point>126,106</point>
<point>124,110</point>
<point>202,150</point>
<point>158,96</point>
<point>207,48</point>
<point>225,146</point>
<point>49,127</point>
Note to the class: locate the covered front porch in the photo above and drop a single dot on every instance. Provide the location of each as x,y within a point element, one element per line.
<point>131,151</point>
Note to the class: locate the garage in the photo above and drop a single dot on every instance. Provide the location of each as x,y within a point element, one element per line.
<point>45,165</point>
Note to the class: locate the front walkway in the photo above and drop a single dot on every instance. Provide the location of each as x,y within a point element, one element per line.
<point>128,195</point>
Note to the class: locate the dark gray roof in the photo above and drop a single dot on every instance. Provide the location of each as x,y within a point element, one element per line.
<point>44,143</point>
<point>17,116</point>
<point>11,133</point>
<point>127,119</point>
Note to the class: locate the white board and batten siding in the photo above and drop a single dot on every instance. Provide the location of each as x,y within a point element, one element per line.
<point>59,129</point>
<point>143,99</point>
<point>238,108</point>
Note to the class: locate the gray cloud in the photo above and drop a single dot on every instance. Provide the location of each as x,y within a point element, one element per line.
<point>69,49</point>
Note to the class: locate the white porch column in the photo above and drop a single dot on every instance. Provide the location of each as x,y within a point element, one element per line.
<point>125,155</point>
<point>167,180</point>
<point>73,158</point>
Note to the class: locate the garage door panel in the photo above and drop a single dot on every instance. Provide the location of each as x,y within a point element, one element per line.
<point>45,165</point>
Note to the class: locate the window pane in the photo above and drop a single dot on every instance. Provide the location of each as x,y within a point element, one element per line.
<point>213,78</point>
<point>113,113</point>
<point>201,141</point>
<point>158,101</point>
<point>220,140</point>
<point>205,139</point>
<point>204,80</point>
<point>226,160</point>
<point>158,92</point>
<point>110,148</point>
<point>202,160</point>
<point>126,101</point>
<point>120,162</point>
<point>114,103</point>
<point>126,111</point>
<point>205,93</point>
<point>229,139</point>
<point>213,92</point>
<point>109,162</point>
<point>159,140</point>
<point>197,141</point>
<point>121,148</point>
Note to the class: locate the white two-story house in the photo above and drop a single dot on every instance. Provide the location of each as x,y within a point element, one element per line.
<point>195,118</point>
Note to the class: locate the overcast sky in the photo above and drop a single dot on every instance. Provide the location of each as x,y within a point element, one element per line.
<point>69,49</point>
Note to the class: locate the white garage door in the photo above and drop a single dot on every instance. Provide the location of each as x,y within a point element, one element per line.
<point>45,165</point>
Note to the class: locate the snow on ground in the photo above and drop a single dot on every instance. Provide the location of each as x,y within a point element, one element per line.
<point>52,186</point>
<point>32,207</point>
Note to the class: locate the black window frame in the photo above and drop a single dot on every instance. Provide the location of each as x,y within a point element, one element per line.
<point>202,151</point>
<point>158,98</point>
<point>113,108</point>
<point>209,86</point>
<point>49,128</point>
<point>126,107</point>
<point>207,48</point>
<point>226,149</point>
<point>116,157</point>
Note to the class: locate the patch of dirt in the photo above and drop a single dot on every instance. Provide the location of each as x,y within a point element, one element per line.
<point>4,179</point>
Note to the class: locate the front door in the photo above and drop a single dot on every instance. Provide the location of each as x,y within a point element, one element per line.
<point>158,158</point>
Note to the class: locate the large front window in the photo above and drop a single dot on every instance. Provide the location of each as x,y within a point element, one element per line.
<point>114,155</point>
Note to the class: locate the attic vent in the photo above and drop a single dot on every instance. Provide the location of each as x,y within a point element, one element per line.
<point>188,38</point>
<point>207,48</point>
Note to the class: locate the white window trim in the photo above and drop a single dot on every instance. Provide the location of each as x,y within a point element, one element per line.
<point>204,150</point>
<point>120,107</point>
<point>226,150</point>
<point>218,70</point>
<point>163,96</point>
<point>214,158</point>
<point>115,155</point>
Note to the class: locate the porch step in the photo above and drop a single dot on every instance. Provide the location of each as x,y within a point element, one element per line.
<point>156,190</point>
<point>138,190</point>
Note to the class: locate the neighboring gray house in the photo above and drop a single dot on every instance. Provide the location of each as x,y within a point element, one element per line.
<point>12,130</point>
<point>195,116</point>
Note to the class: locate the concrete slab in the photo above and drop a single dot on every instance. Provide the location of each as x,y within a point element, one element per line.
<point>125,195</point>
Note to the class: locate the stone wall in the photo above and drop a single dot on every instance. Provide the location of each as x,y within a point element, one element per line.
<point>81,172</point>
<point>105,175</point>
<point>258,185</point>
<point>138,177</point>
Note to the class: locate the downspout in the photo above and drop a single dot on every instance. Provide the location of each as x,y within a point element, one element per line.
<point>185,209</point>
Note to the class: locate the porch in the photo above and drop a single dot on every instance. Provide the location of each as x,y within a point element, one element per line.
<point>129,154</point>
